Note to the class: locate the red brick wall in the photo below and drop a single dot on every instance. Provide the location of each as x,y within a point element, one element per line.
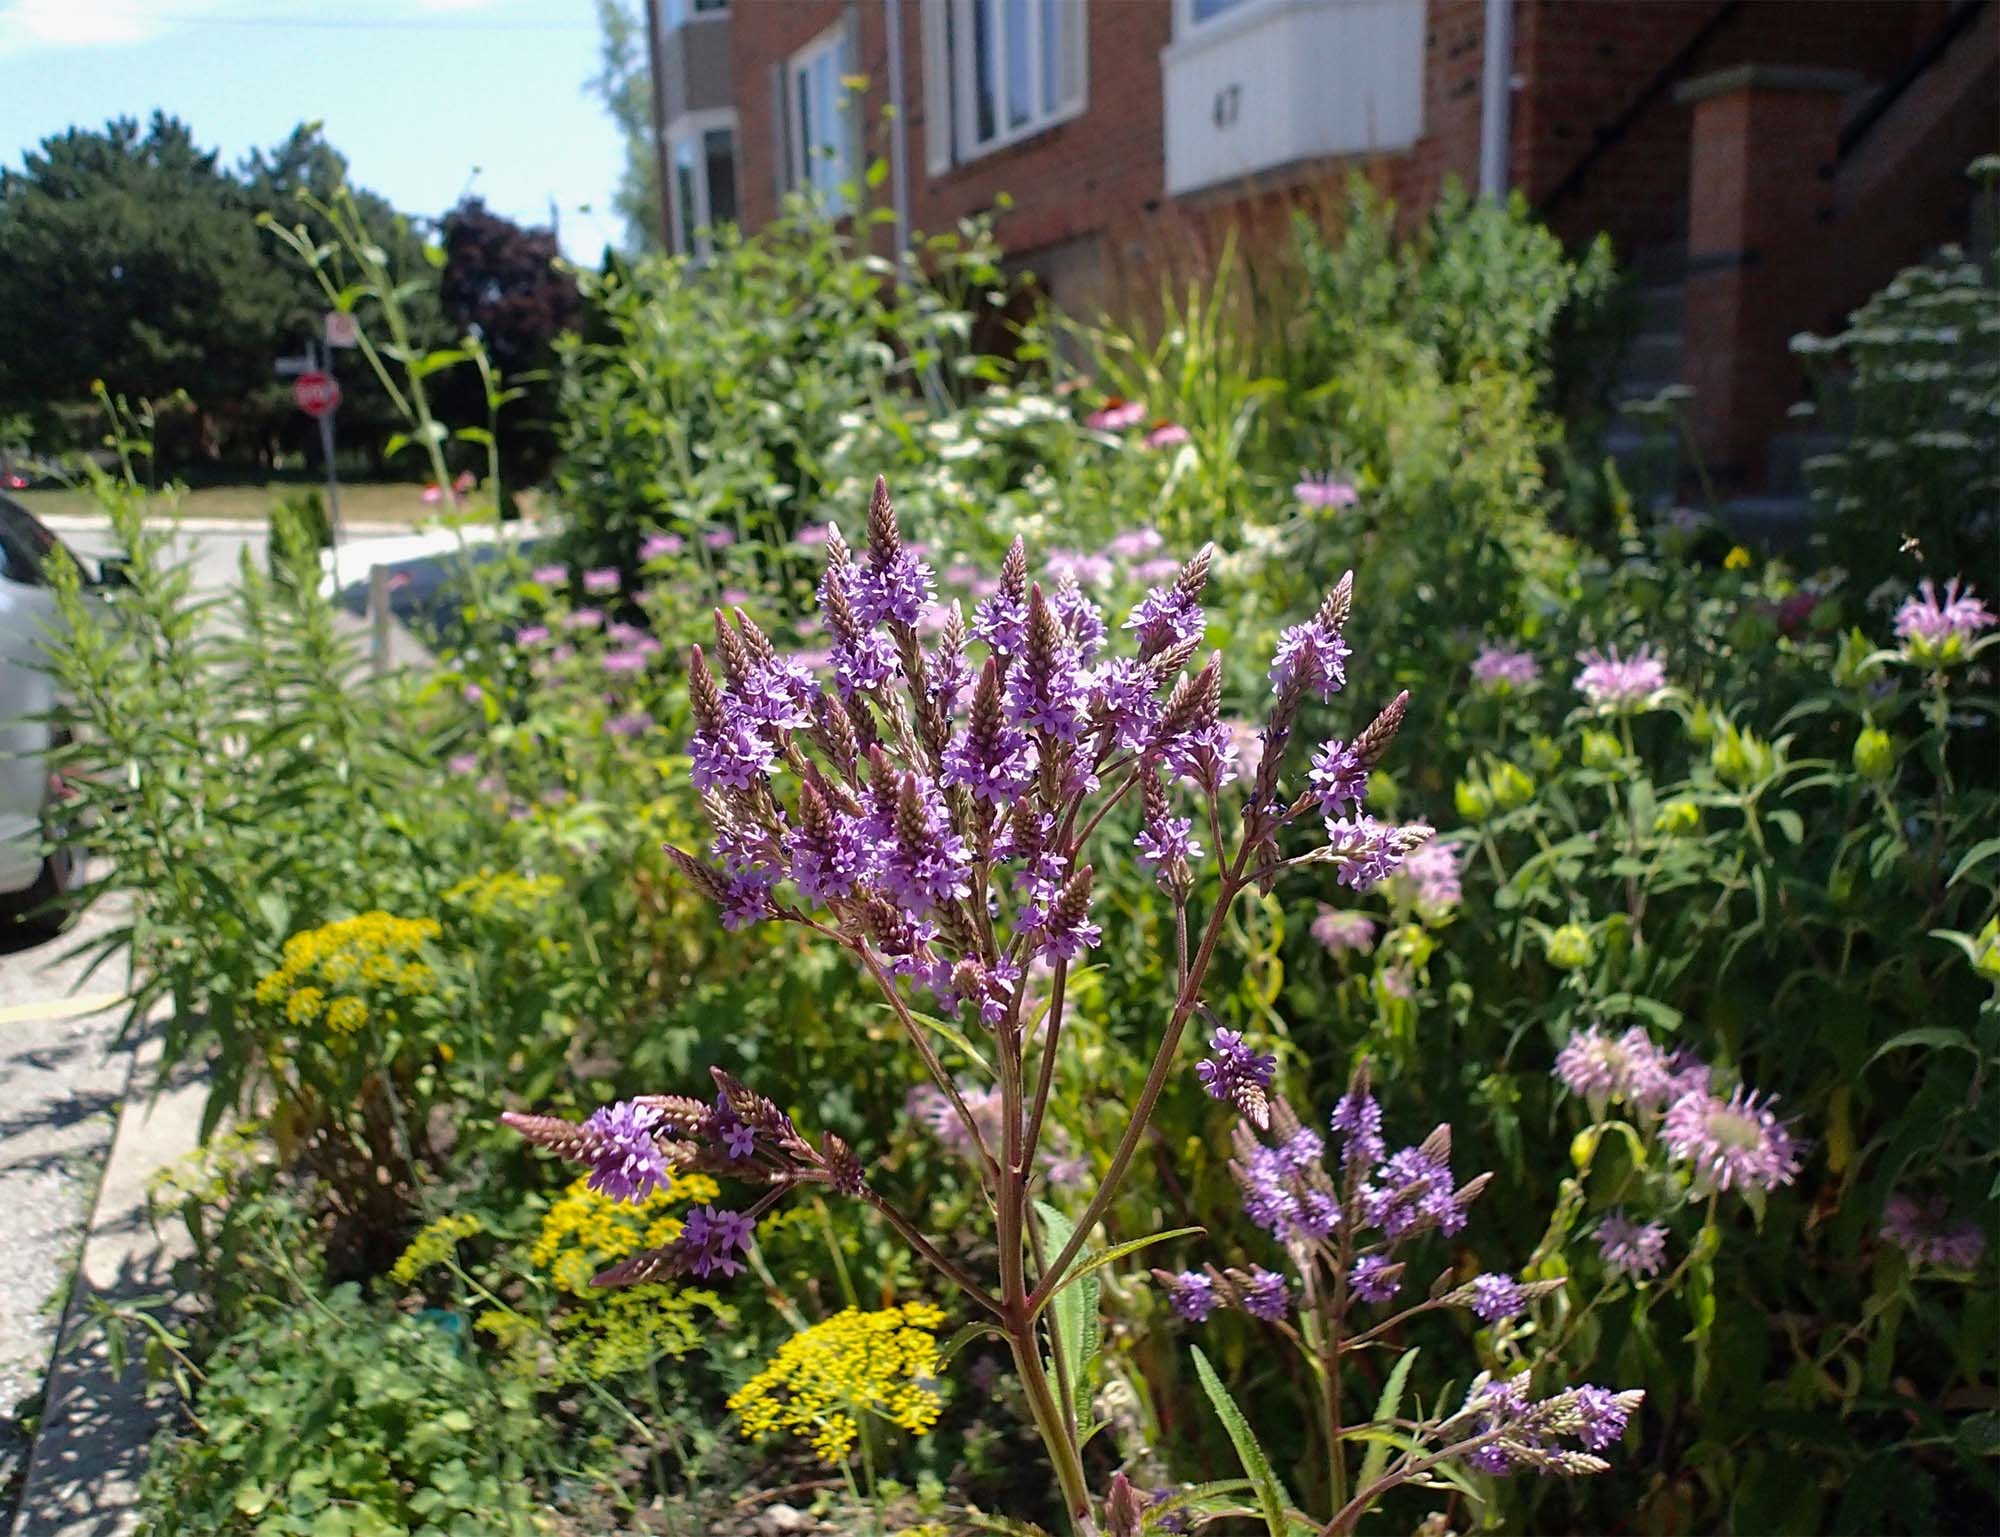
<point>1585,62</point>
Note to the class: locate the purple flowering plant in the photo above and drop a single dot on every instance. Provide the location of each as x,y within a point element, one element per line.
<point>1347,1229</point>
<point>931,812</point>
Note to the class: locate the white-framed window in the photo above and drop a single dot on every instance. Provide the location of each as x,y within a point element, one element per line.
<point>1190,15</point>
<point>678,13</point>
<point>820,120</point>
<point>997,72</point>
<point>701,149</point>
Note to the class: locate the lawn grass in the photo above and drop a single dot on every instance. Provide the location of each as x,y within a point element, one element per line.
<point>371,503</point>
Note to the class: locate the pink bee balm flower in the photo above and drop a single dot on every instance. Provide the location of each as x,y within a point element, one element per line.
<point>473,693</point>
<point>462,763</point>
<point>1733,1142</point>
<point>814,534</point>
<point>583,619</point>
<point>601,580</point>
<point>1499,667</point>
<point>1627,1248</point>
<point>1341,932</point>
<point>1620,684</point>
<point>1923,1231</point>
<point>433,494</point>
<point>624,662</point>
<point>1935,629</point>
<point>735,597</point>
<point>657,545</point>
<point>531,635</point>
<point>1324,491</point>
<point>1116,415</point>
<point>1166,435</point>
<point>1134,543</point>
<point>719,538</point>
<point>549,576</point>
<point>465,482</point>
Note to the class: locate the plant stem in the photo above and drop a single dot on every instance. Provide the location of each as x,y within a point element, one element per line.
<point>1049,1421</point>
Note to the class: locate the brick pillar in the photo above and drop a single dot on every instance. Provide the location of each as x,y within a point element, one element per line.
<point>1760,203</point>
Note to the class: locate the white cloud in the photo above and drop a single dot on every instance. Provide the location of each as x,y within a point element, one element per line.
<point>29,24</point>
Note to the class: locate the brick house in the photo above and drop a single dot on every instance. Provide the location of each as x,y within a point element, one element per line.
<point>1764,163</point>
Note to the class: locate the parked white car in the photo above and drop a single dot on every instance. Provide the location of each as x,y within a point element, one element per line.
<point>30,877</point>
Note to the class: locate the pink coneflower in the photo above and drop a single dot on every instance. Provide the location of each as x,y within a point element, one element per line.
<point>1166,435</point>
<point>1498,667</point>
<point>465,482</point>
<point>719,538</point>
<point>1627,1248</point>
<point>1614,682</point>
<point>531,635</point>
<point>601,580</point>
<point>1923,1231</point>
<point>1600,1069</point>
<point>814,534</point>
<point>473,693</point>
<point>462,763</point>
<point>549,576</point>
<point>1342,932</point>
<point>583,619</point>
<point>1935,629</point>
<point>654,546</point>
<point>1134,542</point>
<point>1116,415</point>
<point>1324,491</point>
<point>735,597</point>
<point>624,662</point>
<point>1731,1142</point>
<point>433,494</point>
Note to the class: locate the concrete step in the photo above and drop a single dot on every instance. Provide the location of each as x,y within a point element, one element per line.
<point>1660,306</point>
<point>1784,462</point>
<point>1654,358</point>
<point>1782,524</point>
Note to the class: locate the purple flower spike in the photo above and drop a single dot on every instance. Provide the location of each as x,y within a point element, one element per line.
<point>1191,1293</point>
<point>1495,1297</point>
<point>1357,1120</point>
<point>1310,655</point>
<point>710,1240</point>
<point>1339,778</point>
<point>625,1161</point>
<point>1267,1296</point>
<point>1375,1278</point>
<point>898,588</point>
<point>1237,1075</point>
<point>1601,1417</point>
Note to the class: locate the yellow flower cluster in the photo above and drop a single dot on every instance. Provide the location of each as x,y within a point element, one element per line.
<point>586,1230</point>
<point>432,1246</point>
<point>630,1327</point>
<point>882,1363</point>
<point>504,893</point>
<point>327,971</point>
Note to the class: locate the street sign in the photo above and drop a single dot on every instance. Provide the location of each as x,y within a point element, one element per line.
<point>316,394</point>
<point>341,329</point>
<point>291,368</point>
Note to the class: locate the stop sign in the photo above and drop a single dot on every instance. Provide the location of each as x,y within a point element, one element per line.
<point>316,393</point>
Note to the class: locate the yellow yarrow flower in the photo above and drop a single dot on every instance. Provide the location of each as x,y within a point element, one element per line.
<point>587,1230</point>
<point>346,1015</point>
<point>376,955</point>
<point>882,1363</point>
<point>432,1246</point>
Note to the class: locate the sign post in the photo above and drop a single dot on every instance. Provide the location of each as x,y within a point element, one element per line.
<point>316,392</point>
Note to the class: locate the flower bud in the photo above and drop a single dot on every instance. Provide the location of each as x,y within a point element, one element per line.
<point>1472,800</point>
<point>1676,819</point>
<point>1986,950</point>
<point>1701,725</point>
<point>1510,786</point>
<point>1601,751</point>
<point>1740,759</point>
<point>1875,755</point>
<point>1570,948</point>
<point>1583,1146</point>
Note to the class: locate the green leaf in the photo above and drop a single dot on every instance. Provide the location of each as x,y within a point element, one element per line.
<point>1097,1259</point>
<point>952,1034</point>
<point>1978,854</point>
<point>1271,1497</point>
<point>1073,1309</point>
<point>1924,1035</point>
<point>962,1338</point>
<point>1377,1457</point>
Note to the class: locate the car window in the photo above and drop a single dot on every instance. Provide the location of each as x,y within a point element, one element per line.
<point>24,542</point>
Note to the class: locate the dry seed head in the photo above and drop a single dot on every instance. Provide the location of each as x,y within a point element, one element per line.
<point>843,1168</point>
<point>704,698</point>
<point>1193,703</point>
<point>1072,903</point>
<point>755,641</point>
<point>1375,738</point>
<point>1194,575</point>
<point>704,879</point>
<point>735,659</point>
<point>885,541</point>
<point>1169,662</point>
<point>839,558</point>
<point>566,1139</point>
<point>1437,1146</point>
<point>1014,571</point>
<point>1339,603</point>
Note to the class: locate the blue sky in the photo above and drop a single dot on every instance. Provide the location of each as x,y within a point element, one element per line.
<point>428,99</point>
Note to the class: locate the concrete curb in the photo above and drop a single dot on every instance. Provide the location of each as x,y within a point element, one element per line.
<point>67,523</point>
<point>90,1451</point>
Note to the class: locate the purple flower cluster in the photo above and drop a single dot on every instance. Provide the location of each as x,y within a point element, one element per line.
<point>1630,1248</point>
<point>1924,1231</point>
<point>1430,877</point>
<point>1375,1278</point>
<point>1497,1297</point>
<point>1732,1143</point>
<point>710,1241</point>
<point>626,1162</point>
<point>1501,667</point>
<point>1410,1191</point>
<point>1513,1430</point>
<point>1628,1068</point>
<point>1326,492</point>
<point>1192,1294</point>
<point>1311,655</point>
<point>1341,932</point>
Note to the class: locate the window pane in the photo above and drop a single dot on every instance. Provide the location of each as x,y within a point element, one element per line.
<point>685,194</point>
<point>1052,55</point>
<point>719,148</point>
<point>802,173</point>
<point>1020,86</point>
<point>1205,9</point>
<point>984,117</point>
<point>710,7</point>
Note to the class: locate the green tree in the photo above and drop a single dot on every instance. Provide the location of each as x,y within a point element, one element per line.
<point>624,83</point>
<point>127,255</point>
